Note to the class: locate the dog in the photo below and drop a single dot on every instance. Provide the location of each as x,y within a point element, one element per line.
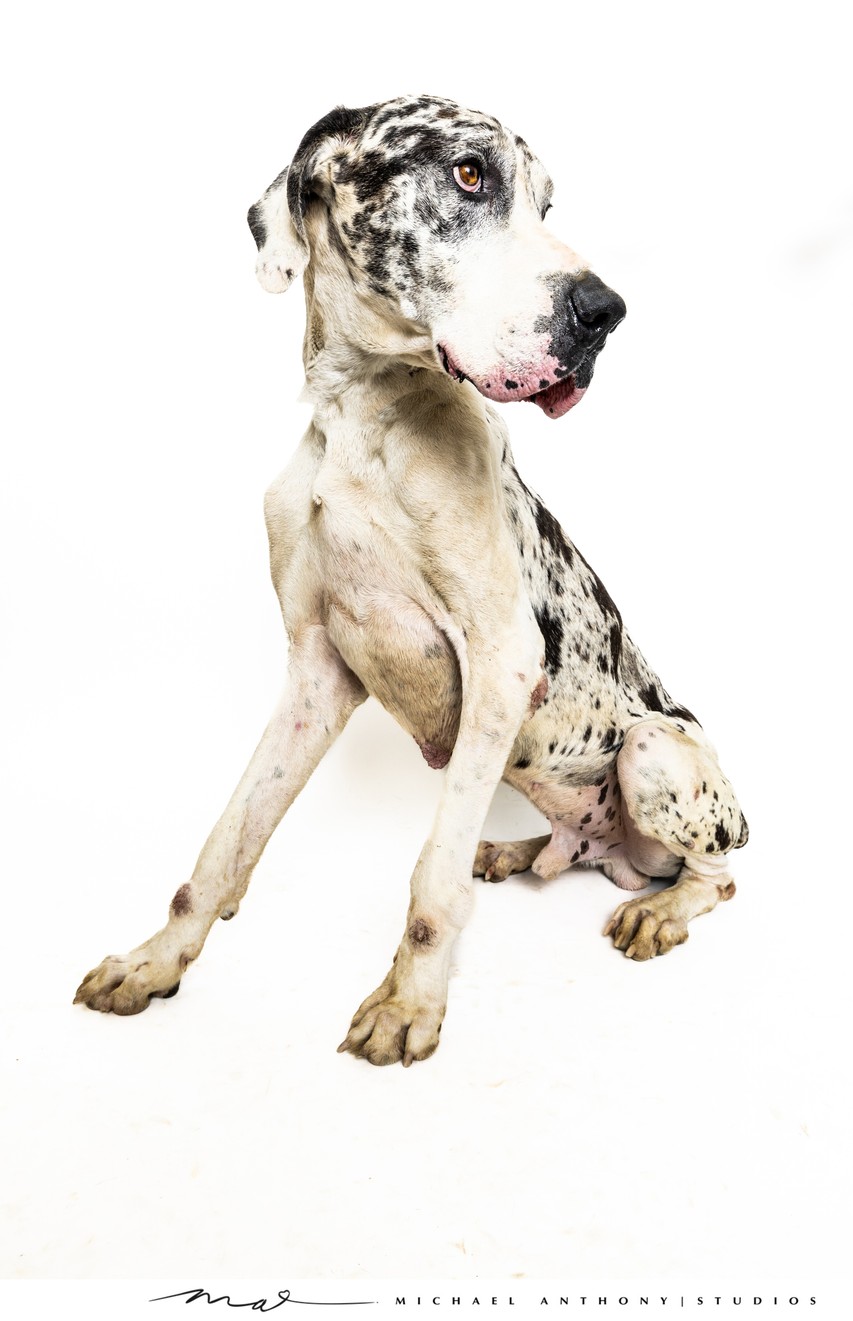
<point>413,564</point>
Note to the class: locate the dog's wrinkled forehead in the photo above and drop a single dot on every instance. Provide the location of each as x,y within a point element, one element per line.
<point>413,138</point>
<point>396,200</point>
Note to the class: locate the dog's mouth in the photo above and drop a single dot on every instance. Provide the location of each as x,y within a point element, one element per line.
<point>556,400</point>
<point>554,396</point>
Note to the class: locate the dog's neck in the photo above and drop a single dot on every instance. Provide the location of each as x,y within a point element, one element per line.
<point>374,380</point>
<point>355,337</point>
<point>363,396</point>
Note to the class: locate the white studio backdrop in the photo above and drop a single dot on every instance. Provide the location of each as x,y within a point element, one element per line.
<point>584,1117</point>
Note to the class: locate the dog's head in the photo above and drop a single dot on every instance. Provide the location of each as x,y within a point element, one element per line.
<point>431,217</point>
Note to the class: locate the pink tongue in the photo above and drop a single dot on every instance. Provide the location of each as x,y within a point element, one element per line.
<point>559,398</point>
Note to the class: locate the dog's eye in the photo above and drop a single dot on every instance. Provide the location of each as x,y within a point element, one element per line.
<point>468,176</point>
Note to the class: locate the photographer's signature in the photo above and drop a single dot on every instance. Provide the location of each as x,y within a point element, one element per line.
<point>260,1304</point>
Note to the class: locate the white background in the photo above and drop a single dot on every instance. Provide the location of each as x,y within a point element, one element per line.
<point>585,1117</point>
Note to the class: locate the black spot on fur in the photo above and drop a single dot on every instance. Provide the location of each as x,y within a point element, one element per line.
<point>551,532</point>
<point>399,111</point>
<point>615,646</point>
<point>256,225</point>
<point>551,629</point>
<point>722,837</point>
<point>653,699</point>
<point>339,122</point>
<point>594,588</point>
<point>370,174</point>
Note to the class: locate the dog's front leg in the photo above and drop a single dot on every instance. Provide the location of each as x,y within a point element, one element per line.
<point>320,696</point>
<point>402,1019</point>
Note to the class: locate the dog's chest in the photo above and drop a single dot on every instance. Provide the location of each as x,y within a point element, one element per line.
<point>402,541</point>
<point>404,660</point>
<point>359,561</point>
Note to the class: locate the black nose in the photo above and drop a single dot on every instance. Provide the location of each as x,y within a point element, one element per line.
<point>597,308</point>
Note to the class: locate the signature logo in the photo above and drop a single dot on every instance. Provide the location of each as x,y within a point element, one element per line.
<point>259,1304</point>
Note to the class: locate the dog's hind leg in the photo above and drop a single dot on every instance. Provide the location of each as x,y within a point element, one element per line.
<point>494,862</point>
<point>676,805</point>
<point>320,696</point>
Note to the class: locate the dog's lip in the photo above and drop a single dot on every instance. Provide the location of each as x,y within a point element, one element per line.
<point>554,398</point>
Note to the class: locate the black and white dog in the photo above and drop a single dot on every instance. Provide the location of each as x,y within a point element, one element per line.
<point>413,564</point>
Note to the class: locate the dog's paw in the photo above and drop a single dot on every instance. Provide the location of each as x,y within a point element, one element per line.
<point>389,1028</point>
<point>644,928</point>
<point>494,862</point>
<point>126,985</point>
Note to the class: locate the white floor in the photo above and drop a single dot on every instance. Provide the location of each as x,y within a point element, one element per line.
<point>585,1117</point>
<point>584,1114</point>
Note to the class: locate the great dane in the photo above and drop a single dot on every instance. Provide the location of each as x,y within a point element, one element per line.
<point>412,563</point>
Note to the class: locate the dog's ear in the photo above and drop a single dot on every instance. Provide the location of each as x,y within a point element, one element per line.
<point>277,221</point>
<point>282,252</point>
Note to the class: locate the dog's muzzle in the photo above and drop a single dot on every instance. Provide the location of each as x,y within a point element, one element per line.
<point>584,312</point>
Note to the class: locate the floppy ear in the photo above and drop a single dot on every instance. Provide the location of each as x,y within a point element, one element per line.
<point>282,251</point>
<point>277,221</point>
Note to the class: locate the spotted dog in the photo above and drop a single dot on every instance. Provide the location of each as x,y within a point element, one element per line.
<point>412,563</point>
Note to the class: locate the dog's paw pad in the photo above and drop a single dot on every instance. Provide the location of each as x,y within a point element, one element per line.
<point>126,985</point>
<point>391,1030</point>
<point>495,862</point>
<point>644,928</point>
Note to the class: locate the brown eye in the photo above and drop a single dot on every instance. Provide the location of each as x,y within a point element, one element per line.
<point>468,176</point>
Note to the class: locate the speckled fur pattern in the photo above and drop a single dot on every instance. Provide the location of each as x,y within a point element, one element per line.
<point>412,564</point>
